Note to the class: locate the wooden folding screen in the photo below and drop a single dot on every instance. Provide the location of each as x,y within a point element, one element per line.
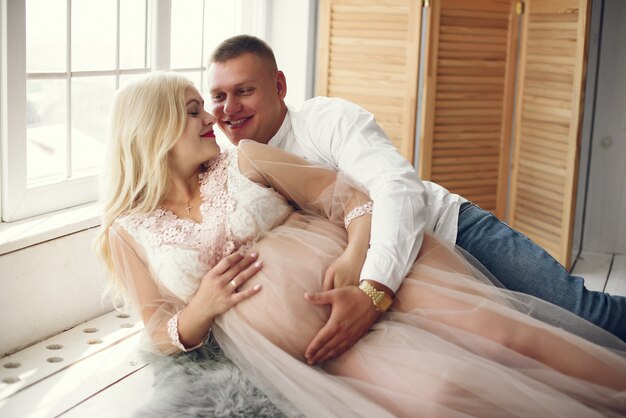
<point>368,53</point>
<point>469,91</point>
<point>552,70</point>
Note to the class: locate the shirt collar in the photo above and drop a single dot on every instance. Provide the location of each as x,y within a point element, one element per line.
<point>279,138</point>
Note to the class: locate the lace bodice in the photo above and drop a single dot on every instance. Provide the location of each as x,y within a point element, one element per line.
<point>235,211</point>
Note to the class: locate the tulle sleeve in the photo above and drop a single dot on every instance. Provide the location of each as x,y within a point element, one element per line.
<point>158,307</point>
<point>312,188</point>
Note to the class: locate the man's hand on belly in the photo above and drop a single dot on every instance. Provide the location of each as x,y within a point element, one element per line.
<point>352,315</point>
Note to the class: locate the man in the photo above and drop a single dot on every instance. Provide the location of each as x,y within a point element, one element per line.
<point>247,94</point>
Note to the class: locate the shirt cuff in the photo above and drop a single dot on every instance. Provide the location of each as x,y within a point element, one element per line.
<point>383,270</point>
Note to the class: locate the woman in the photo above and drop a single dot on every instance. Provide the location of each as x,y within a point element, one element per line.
<point>453,344</point>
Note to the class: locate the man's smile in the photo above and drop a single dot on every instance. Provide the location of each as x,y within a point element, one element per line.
<point>234,123</point>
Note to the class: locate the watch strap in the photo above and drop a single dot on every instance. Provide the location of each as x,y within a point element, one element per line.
<point>380,299</point>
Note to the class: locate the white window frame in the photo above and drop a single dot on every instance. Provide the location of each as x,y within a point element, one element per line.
<point>20,201</point>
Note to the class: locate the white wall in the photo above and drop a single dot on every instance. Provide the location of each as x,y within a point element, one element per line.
<point>47,288</point>
<point>603,228</point>
<point>291,34</point>
<point>605,224</point>
<point>590,86</point>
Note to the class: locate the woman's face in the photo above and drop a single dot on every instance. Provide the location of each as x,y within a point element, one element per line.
<point>197,144</point>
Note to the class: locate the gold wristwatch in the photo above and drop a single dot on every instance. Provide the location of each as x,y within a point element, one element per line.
<point>380,299</point>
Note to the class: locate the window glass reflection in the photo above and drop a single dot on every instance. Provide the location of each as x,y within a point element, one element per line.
<point>46,130</point>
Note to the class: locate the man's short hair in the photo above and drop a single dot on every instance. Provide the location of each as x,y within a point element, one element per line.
<point>238,45</point>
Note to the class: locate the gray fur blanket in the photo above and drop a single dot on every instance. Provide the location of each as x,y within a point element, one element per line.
<point>203,383</point>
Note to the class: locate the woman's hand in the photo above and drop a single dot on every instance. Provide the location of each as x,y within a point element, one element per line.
<point>344,271</point>
<point>219,289</point>
<point>217,293</point>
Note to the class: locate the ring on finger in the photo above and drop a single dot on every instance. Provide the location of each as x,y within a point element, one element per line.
<point>233,283</point>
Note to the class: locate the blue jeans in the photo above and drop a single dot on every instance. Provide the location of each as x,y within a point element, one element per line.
<point>523,266</point>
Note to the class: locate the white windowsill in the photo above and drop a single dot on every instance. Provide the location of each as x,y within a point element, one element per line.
<point>26,232</point>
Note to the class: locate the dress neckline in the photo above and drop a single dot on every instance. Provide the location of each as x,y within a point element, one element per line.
<point>160,210</point>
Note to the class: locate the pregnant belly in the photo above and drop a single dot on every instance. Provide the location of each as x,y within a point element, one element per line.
<point>295,257</point>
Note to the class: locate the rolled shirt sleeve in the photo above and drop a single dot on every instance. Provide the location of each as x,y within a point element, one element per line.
<point>347,136</point>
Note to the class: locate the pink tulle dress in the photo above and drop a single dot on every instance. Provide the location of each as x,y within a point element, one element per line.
<point>453,344</point>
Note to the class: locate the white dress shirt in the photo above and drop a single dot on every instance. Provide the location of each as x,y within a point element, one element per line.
<point>342,135</point>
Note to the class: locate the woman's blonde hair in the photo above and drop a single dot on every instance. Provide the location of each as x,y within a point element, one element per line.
<point>147,118</point>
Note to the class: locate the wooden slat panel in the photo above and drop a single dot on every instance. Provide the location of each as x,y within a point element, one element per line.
<point>468,99</point>
<point>372,66</point>
<point>370,102</point>
<point>368,53</point>
<point>368,34</point>
<point>365,43</point>
<point>453,151</point>
<point>548,122</point>
<point>359,82</point>
<point>365,9</point>
<point>538,203</point>
<point>348,25</point>
<point>471,175</point>
<point>461,13</point>
<point>339,48</point>
<point>360,57</point>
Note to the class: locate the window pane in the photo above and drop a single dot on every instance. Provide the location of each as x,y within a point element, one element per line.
<point>46,35</point>
<point>186,37</point>
<point>133,19</point>
<point>93,34</point>
<point>91,103</point>
<point>46,130</point>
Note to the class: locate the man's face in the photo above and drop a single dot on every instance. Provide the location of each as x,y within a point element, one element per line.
<point>246,97</point>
